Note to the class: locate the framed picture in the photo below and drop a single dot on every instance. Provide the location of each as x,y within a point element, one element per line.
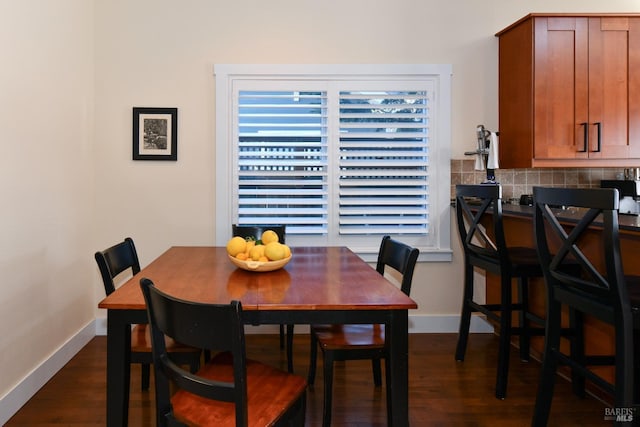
<point>155,133</point>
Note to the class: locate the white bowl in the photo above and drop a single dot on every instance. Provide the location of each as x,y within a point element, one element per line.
<point>259,266</point>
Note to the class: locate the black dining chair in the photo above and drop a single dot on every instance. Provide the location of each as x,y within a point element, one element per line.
<point>481,230</point>
<point>114,261</point>
<point>229,390</point>
<point>358,342</point>
<point>600,289</point>
<point>256,231</point>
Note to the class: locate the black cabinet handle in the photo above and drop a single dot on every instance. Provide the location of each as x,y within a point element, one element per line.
<point>599,127</point>
<point>585,126</point>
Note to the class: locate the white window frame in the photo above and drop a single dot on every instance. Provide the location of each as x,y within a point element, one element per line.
<point>435,247</point>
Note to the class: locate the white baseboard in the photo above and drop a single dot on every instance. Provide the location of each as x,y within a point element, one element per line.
<point>101,326</point>
<point>418,324</point>
<point>11,402</point>
<point>437,324</point>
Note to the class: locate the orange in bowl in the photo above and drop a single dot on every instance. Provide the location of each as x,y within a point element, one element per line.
<point>259,266</point>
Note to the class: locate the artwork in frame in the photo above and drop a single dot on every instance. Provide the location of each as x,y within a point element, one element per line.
<point>155,133</point>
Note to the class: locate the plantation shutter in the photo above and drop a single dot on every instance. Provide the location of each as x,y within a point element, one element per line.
<point>375,140</point>
<point>384,157</point>
<point>282,159</point>
<point>341,154</point>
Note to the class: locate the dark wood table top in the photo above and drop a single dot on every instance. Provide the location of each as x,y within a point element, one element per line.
<point>316,278</point>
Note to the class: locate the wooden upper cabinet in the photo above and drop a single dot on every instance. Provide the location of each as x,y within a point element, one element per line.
<point>569,91</point>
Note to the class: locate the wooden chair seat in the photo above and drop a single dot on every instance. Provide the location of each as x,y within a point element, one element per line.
<point>333,337</point>
<point>269,393</point>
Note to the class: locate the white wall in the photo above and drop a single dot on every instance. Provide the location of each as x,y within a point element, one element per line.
<point>73,69</point>
<point>47,285</point>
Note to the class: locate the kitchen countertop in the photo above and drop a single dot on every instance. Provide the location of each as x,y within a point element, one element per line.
<point>626,222</point>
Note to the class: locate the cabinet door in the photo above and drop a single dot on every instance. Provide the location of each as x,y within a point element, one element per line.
<point>561,88</point>
<point>614,92</point>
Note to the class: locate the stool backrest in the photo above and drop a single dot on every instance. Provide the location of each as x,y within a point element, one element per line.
<point>582,268</point>
<point>479,218</point>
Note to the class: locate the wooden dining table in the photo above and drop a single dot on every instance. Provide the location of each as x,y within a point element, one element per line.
<point>318,285</point>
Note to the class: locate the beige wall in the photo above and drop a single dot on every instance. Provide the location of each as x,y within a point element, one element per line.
<point>47,211</point>
<point>166,58</point>
<point>73,69</point>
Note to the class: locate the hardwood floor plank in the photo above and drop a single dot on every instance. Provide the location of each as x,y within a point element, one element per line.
<point>442,392</point>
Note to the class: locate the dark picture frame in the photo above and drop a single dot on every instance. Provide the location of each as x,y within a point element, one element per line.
<point>155,133</point>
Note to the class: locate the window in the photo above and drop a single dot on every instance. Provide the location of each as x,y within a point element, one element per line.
<point>341,154</point>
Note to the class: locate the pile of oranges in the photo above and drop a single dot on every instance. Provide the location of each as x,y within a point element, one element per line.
<point>267,248</point>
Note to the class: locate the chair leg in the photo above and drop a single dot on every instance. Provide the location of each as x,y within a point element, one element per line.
<point>387,376</point>
<point>636,367</point>
<point>313,356</point>
<point>624,365</point>
<point>377,373</point>
<point>328,388</point>
<point>298,414</point>
<point>281,337</point>
<point>576,349</point>
<point>505,338</point>
<point>549,366</point>
<point>525,330</point>
<point>194,364</point>
<point>465,317</point>
<point>145,369</point>
<point>290,348</point>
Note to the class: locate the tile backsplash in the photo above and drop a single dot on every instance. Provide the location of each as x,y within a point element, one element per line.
<point>516,182</point>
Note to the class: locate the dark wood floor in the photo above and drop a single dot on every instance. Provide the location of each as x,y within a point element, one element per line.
<point>442,392</point>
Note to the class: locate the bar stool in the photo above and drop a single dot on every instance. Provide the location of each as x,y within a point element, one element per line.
<point>479,218</point>
<point>600,290</point>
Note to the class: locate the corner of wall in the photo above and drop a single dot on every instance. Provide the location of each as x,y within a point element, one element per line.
<point>11,402</point>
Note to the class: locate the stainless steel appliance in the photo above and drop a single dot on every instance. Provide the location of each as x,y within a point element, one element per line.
<point>487,153</point>
<point>629,190</point>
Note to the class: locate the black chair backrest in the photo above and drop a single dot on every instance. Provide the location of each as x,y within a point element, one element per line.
<point>599,288</point>
<point>216,327</point>
<point>257,230</point>
<point>482,238</point>
<point>115,260</point>
<point>399,256</point>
